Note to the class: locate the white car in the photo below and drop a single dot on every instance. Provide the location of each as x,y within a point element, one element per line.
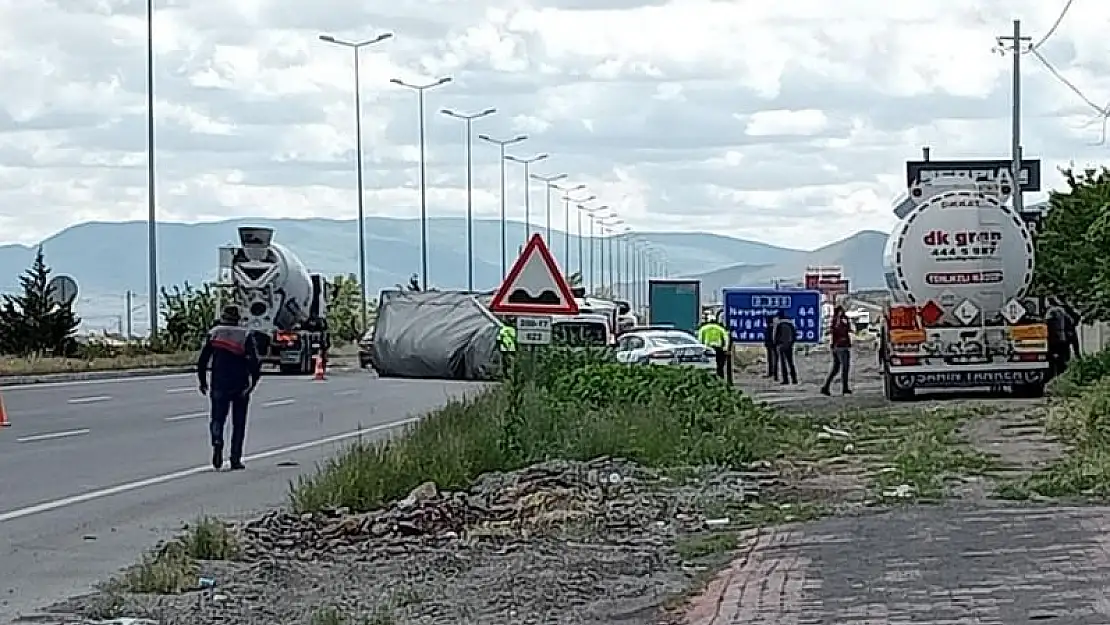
<point>662,346</point>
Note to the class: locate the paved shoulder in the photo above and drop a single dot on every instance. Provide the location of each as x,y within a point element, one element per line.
<point>1012,566</point>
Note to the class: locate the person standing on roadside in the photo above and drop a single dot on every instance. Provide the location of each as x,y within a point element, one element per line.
<point>1063,337</point>
<point>786,334</point>
<point>769,347</point>
<point>714,336</point>
<point>236,369</point>
<point>840,329</point>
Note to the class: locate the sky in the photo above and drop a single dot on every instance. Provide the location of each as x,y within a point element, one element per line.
<point>783,122</point>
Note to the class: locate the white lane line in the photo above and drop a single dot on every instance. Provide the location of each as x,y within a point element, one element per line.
<point>180,389</point>
<point>52,435</point>
<point>135,378</point>
<point>89,400</point>
<point>185,417</point>
<point>47,506</point>
<point>353,391</point>
<point>279,402</point>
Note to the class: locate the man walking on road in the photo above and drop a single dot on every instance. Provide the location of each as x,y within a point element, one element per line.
<point>714,336</point>
<point>769,347</point>
<point>236,369</point>
<point>785,334</point>
<point>841,347</point>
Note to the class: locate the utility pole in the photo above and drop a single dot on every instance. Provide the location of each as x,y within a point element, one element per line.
<point>129,309</point>
<point>1017,43</point>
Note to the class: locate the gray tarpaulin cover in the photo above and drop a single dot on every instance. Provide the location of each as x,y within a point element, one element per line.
<point>434,335</point>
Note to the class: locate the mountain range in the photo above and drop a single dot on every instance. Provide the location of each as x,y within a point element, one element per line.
<point>109,259</point>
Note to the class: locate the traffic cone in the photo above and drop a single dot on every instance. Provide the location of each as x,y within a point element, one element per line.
<point>319,375</point>
<point>3,414</point>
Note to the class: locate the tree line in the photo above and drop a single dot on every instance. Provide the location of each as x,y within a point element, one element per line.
<point>1072,243</point>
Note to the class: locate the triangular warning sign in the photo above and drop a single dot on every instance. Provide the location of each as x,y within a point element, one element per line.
<point>535,285</point>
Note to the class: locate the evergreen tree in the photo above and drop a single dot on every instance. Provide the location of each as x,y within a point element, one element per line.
<point>31,323</point>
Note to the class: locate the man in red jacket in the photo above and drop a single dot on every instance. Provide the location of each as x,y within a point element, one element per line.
<point>841,347</point>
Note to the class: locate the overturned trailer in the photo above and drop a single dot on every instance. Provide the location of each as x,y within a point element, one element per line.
<point>436,335</point>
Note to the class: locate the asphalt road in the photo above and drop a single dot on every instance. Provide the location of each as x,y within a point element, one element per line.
<point>93,472</point>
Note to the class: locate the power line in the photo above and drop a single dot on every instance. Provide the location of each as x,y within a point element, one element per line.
<point>1055,25</point>
<point>1102,111</point>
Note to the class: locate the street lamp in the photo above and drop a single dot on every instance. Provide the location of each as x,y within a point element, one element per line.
<point>501,143</point>
<point>549,182</point>
<point>567,199</point>
<point>608,225</point>
<point>420,89</point>
<point>355,46</point>
<point>151,204</point>
<point>581,205</point>
<point>590,215</point>
<point>527,162</point>
<point>629,278</point>
<point>468,120</point>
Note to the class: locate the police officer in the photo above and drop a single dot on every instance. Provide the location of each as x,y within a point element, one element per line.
<point>233,354</point>
<point>769,346</point>
<point>714,336</point>
<point>506,344</point>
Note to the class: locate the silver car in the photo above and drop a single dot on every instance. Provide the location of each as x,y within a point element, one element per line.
<point>663,346</point>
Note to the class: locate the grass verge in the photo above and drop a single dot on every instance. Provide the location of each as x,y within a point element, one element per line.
<point>1081,420</point>
<point>172,567</point>
<point>40,366</point>
<point>558,404</point>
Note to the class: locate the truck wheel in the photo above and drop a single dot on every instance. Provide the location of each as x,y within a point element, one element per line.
<point>1029,391</point>
<point>892,392</point>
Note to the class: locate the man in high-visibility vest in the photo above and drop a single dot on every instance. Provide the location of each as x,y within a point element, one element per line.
<point>506,344</point>
<point>714,336</point>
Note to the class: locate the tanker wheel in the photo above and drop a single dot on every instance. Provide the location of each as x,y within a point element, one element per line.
<point>1029,391</point>
<point>892,392</point>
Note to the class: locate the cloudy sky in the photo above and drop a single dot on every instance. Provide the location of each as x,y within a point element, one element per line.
<point>786,122</point>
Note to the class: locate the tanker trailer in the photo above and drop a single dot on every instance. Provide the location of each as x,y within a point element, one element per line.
<point>958,265</point>
<point>277,297</point>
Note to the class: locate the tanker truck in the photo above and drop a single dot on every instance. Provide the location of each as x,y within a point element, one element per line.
<point>957,266</point>
<point>277,297</point>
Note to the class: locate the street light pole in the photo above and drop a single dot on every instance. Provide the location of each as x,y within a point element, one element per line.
<point>501,144</point>
<point>549,182</point>
<point>468,120</point>
<point>420,89</point>
<point>527,162</point>
<point>567,199</point>
<point>151,203</point>
<point>355,46</point>
<point>610,223</point>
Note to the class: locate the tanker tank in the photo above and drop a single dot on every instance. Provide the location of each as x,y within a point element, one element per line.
<point>958,243</point>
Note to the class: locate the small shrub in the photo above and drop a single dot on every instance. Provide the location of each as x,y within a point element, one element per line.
<point>210,539</point>
<point>164,571</point>
<point>1082,372</point>
<point>571,404</point>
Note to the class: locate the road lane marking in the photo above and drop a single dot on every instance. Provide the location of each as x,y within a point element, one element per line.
<point>92,495</point>
<point>181,389</point>
<point>50,385</point>
<point>279,402</point>
<point>52,435</point>
<point>352,391</point>
<point>185,417</point>
<point>89,400</point>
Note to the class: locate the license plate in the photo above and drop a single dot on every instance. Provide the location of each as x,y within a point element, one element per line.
<point>692,356</point>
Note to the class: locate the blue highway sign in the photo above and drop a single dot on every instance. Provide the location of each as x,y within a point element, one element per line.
<point>747,312</point>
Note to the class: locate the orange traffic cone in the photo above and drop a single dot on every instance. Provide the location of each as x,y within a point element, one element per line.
<point>3,415</point>
<point>319,375</point>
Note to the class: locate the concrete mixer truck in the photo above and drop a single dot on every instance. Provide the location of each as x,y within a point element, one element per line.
<point>958,266</point>
<point>277,297</point>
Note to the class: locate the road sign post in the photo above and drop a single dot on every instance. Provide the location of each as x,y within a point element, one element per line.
<point>748,309</point>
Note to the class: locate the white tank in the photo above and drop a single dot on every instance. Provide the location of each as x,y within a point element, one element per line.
<point>959,242</point>
<point>271,286</point>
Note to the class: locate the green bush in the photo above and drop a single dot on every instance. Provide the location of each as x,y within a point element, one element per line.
<point>570,404</point>
<point>1082,372</point>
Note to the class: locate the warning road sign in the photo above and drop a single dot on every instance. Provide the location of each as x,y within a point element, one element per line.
<point>535,285</point>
